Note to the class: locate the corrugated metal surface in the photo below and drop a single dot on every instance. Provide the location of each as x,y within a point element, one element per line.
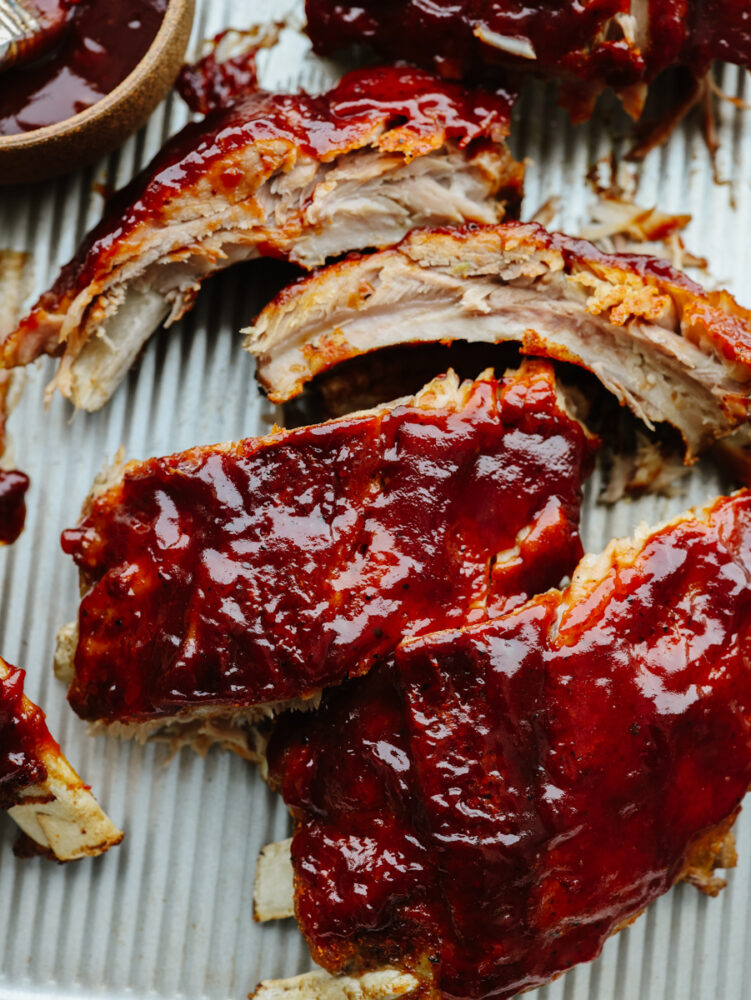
<point>169,913</point>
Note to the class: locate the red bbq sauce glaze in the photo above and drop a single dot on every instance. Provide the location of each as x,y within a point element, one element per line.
<point>23,735</point>
<point>13,487</point>
<point>424,109</point>
<point>576,40</point>
<point>499,799</point>
<point>213,83</point>
<point>98,47</point>
<point>566,37</point>
<point>265,570</point>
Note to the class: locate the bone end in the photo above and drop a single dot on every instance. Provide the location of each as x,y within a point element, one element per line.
<point>274,892</point>
<point>386,984</point>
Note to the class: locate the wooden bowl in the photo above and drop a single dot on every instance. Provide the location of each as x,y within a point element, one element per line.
<point>77,141</point>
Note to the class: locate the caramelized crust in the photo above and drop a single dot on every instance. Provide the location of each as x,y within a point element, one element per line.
<point>282,175</point>
<point>498,799</point>
<point>666,348</point>
<point>239,576</point>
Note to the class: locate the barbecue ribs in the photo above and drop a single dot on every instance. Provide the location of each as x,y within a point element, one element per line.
<point>281,175</point>
<point>622,44</point>
<point>223,581</point>
<point>484,809</point>
<point>666,348</point>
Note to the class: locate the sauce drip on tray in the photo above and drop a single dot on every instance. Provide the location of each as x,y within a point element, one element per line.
<point>13,487</point>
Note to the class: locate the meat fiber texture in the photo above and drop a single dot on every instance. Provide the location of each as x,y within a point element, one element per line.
<point>282,175</point>
<point>666,348</point>
<point>224,581</point>
<point>39,788</point>
<point>484,809</point>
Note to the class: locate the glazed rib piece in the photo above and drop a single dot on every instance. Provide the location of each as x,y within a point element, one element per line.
<point>663,346</point>
<point>486,808</point>
<point>623,44</point>
<point>38,787</point>
<point>226,580</point>
<point>283,175</point>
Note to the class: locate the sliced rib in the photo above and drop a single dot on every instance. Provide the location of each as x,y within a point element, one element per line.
<point>666,348</point>
<point>283,175</point>
<point>486,808</point>
<point>225,581</point>
<point>39,788</point>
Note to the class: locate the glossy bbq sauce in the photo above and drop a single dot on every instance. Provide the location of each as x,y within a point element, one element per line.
<point>23,732</point>
<point>494,802</point>
<point>13,487</point>
<point>99,46</point>
<point>236,577</point>
<point>581,40</point>
<point>340,121</point>
<point>458,38</point>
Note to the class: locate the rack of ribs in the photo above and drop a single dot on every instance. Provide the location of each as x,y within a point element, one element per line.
<point>484,808</point>
<point>624,44</point>
<point>224,582</point>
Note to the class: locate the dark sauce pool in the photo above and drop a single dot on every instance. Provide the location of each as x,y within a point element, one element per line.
<point>13,486</point>
<point>99,46</point>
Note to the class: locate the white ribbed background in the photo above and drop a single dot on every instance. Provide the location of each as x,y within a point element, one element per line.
<point>168,914</point>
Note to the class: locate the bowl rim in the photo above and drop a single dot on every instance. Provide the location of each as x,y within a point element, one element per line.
<point>174,11</point>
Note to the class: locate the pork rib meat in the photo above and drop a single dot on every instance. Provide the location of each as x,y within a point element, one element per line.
<point>283,175</point>
<point>666,348</point>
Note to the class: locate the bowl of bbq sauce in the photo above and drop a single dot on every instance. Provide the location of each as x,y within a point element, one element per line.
<point>86,76</point>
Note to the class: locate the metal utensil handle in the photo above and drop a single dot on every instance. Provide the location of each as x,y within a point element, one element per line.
<point>19,32</point>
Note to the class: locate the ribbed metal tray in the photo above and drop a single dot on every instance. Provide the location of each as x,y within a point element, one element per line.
<point>169,914</point>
